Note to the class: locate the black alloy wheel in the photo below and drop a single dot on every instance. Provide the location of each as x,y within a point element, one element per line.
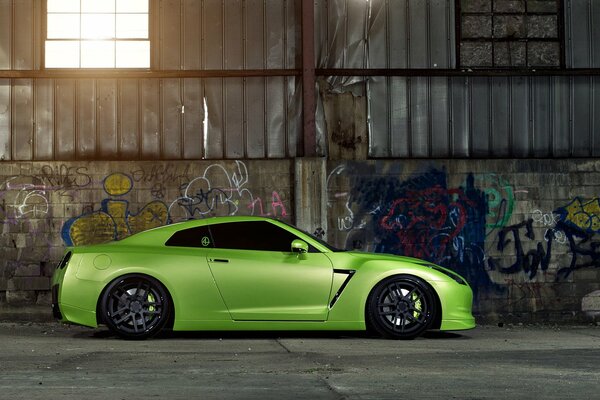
<point>401,307</point>
<point>135,306</point>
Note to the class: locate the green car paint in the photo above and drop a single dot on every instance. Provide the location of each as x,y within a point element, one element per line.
<point>310,286</point>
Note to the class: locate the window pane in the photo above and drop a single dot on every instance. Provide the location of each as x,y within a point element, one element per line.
<point>97,26</point>
<point>97,54</point>
<point>62,54</point>
<point>63,6</point>
<point>252,236</point>
<point>193,237</point>
<point>132,26</point>
<point>97,6</point>
<point>132,6</point>
<point>63,26</point>
<point>133,54</point>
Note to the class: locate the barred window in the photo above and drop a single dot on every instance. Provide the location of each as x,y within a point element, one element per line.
<point>97,34</point>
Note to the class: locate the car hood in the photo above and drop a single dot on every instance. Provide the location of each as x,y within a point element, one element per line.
<point>387,257</point>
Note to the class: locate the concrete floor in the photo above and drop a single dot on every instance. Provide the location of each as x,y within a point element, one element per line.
<point>48,361</point>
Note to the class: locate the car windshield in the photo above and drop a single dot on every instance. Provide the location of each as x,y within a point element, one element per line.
<point>313,237</point>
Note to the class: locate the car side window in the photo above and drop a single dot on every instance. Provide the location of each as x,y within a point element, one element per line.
<point>192,237</point>
<point>252,235</point>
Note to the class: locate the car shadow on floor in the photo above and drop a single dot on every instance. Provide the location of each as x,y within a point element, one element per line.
<point>103,333</point>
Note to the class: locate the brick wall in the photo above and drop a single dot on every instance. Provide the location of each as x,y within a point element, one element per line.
<point>47,206</point>
<point>525,233</point>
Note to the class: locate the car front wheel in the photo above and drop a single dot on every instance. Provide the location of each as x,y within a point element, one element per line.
<point>135,306</point>
<point>401,307</point>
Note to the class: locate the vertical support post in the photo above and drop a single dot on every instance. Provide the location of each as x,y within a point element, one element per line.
<point>308,78</point>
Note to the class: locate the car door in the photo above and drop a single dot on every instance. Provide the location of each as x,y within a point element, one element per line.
<point>261,279</point>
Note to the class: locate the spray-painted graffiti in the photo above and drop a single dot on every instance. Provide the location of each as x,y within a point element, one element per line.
<point>582,215</point>
<point>114,220</point>
<point>572,225</point>
<point>219,191</point>
<point>419,216</point>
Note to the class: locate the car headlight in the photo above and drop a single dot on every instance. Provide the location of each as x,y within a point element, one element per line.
<point>453,275</point>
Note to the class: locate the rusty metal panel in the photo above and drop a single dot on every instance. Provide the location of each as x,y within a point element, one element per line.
<point>255,112</point>
<point>86,119</point>
<point>293,116</point>
<point>233,41</point>
<point>520,129</point>
<point>578,32</point>
<point>192,34</point>
<point>379,137</point>
<point>23,40</point>
<point>150,119</point>
<point>500,134</point>
<point>562,133</point>
<point>233,117</point>
<point>397,28</point>
<point>5,34</point>
<point>542,111</point>
<point>440,114</point>
<point>420,114</point>
<point>595,147</point>
<point>22,119</point>
<point>172,109</point>
<point>275,46</point>
<point>419,26</point>
<point>254,33</point>
<point>460,117</point>
<point>44,120</point>
<point>293,9</point>
<point>399,116</point>
<point>64,118</point>
<point>5,122</point>
<point>213,127</point>
<point>440,28</point>
<point>212,23</point>
<point>582,110</point>
<point>170,32</point>
<point>480,117</point>
<point>129,117</point>
<point>276,105</point>
<point>380,32</point>
<point>106,128</point>
<point>193,119</point>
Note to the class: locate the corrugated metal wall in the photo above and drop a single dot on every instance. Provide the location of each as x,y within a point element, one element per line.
<point>260,117</point>
<point>449,117</point>
<point>253,117</point>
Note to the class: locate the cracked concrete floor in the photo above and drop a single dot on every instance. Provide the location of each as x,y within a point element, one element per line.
<point>47,361</point>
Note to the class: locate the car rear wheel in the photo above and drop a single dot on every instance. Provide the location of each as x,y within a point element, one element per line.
<point>135,306</point>
<point>401,307</point>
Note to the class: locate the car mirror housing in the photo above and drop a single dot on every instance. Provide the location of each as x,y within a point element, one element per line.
<point>299,247</point>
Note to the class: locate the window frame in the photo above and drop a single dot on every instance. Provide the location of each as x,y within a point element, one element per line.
<point>151,40</point>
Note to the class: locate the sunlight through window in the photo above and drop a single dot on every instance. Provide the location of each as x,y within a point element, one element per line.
<point>97,34</point>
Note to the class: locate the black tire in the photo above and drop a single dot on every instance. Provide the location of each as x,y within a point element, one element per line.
<point>401,307</point>
<point>135,306</point>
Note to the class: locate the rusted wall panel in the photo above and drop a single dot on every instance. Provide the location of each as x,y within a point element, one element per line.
<point>5,34</point>
<point>193,119</point>
<point>150,119</point>
<point>192,34</point>
<point>171,119</point>
<point>23,40</point>
<point>233,118</point>
<point>107,139</point>
<point>129,112</point>
<point>44,118</point>
<point>22,119</point>
<point>170,34</point>
<point>64,118</point>
<point>255,112</point>
<point>86,119</point>
<point>5,122</point>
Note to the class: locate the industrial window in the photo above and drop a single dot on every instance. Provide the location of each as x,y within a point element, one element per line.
<point>510,33</point>
<point>97,34</point>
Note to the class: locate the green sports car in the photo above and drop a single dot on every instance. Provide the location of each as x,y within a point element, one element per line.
<point>252,273</point>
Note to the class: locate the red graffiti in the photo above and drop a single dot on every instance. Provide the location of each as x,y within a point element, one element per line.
<point>427,221</point>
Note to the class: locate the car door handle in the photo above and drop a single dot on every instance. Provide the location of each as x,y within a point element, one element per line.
<point>219,260</point>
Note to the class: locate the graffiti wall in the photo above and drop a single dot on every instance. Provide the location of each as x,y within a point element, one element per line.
<point>528,242</point>
<point>46,207</point>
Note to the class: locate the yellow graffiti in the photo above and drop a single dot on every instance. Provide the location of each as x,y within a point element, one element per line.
<point>584,215</point>
<point>117,184</point>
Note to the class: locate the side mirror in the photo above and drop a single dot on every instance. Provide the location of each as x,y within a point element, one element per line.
<point>299,247</point>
